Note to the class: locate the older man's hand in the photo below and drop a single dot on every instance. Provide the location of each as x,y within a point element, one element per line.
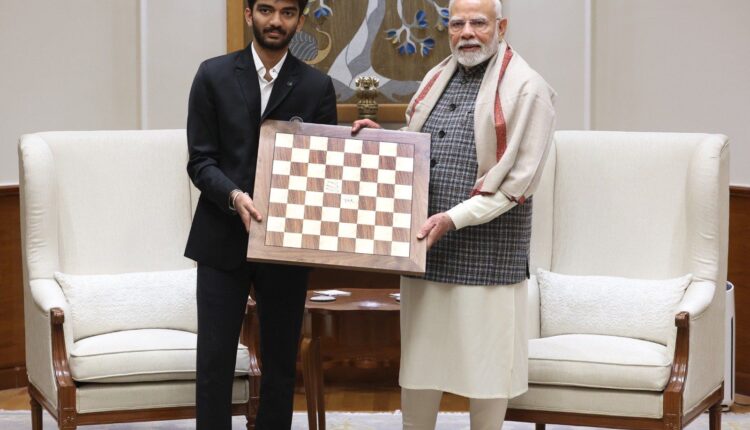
<point>435,227</point>
<point>247,210</point>
<point>364,123</point>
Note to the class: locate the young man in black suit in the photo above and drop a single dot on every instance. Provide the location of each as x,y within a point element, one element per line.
<point>231,96</point>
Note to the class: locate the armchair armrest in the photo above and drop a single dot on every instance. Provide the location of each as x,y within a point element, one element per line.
<point>697,298</point>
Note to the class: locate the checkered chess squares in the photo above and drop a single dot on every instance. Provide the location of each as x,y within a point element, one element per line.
<point>343,195</point>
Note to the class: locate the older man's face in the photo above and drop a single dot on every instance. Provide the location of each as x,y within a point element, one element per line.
<point>474,31</point>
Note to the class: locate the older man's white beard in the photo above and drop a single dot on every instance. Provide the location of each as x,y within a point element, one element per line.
<point>471,59</point>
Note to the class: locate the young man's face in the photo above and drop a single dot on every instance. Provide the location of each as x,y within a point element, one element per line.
<point>274,22</point>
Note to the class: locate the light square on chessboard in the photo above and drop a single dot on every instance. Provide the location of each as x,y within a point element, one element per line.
<point>334,158</point>
<point>367,203</point>
<point>402,192</point>
<point>292,240</point>
<point>328,243</point>
<point>284,140</point>
<point>316,170</point>
<point>348,230</point>
<point>295,211</point>
<point>311,227</point>
<point>382,232</point>
<point>317,157</point>
<point>382,247</point>
<point>298,183</point>
<point>293,226</point>
<point>400,249</point>
<point>313,198</point>
<point>349,201</point>
<point>329,228</point>
<point>388,149</point>
<point>366,217</point>
<point>278,195</point>
<point>276,224</point>
<point>296,197</point>
<point>365,231</point>
<point>351,173</point>
<point>300,155</point>
<point>281,167</point>
<point>370,161</point>
<point>310,241</point>
<point>364,246</point>
<point>319,143</point>
<point>384,204</point>
<point>402,220</point>
<point>404,164</point>
<point>369,189</point>
<point>332,214</point>
<point>353,146</point>
<point>386,176</point>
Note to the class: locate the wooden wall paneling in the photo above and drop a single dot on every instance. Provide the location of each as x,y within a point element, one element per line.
<point>12,353</point>
<point>739,275</point>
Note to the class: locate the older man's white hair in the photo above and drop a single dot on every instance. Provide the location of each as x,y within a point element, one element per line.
<point>498,7</point>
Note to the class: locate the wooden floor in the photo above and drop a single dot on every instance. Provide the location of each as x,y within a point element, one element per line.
<point>338,399</point>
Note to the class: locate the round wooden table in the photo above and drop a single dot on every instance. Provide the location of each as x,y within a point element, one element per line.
<point>322,317</point>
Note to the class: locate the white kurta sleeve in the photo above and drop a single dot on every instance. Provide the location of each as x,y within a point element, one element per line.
<point>480,209</point>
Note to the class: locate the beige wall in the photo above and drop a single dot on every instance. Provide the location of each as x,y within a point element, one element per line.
<point>93,64</point>
<point>675,65</point>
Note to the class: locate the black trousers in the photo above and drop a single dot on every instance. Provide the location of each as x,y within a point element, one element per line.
<point>222,296</point>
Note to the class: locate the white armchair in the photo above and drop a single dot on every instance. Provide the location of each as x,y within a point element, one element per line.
<point>109,300</point>
<point>640,206</point>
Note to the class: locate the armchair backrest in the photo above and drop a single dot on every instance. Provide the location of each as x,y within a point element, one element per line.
<point>105,202</point>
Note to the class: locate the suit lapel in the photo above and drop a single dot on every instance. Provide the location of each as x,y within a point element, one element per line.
<point>287,79</point>
<point>247,77</point>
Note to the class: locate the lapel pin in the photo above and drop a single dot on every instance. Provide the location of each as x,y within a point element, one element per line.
<point>289,83</point>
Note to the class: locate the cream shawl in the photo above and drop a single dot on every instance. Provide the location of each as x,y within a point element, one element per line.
<point>514,121</point>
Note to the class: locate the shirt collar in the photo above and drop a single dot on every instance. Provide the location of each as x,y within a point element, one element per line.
<point>261,69</point>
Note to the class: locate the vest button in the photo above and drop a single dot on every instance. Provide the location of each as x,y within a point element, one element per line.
<point>441,134</point>
<point>452,107</point>
<point>433,162</point>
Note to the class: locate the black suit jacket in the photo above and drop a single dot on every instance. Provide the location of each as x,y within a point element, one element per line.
<point>222,131</point>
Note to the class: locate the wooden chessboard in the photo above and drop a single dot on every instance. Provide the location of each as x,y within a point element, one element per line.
<point>335,200</point>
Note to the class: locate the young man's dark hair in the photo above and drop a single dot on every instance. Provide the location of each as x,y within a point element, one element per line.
<point>302,4</point>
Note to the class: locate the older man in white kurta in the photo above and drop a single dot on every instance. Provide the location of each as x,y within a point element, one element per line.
<point>491,118</point>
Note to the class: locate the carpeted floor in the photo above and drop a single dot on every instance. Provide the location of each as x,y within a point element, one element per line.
<point>21,420</point>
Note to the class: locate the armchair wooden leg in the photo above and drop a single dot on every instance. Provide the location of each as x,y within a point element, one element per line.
<point>308,378</point>
<point>36,414</point>
<point>714,417</point>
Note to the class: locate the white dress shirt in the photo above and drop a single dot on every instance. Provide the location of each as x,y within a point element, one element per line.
<point>266,86</point>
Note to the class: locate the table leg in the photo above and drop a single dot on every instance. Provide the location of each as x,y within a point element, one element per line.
<point>308,378</point>
<point>319,386</point>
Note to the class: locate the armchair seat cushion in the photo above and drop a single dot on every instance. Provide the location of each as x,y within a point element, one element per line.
<point>597,361</point>
<point>147,355</point>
